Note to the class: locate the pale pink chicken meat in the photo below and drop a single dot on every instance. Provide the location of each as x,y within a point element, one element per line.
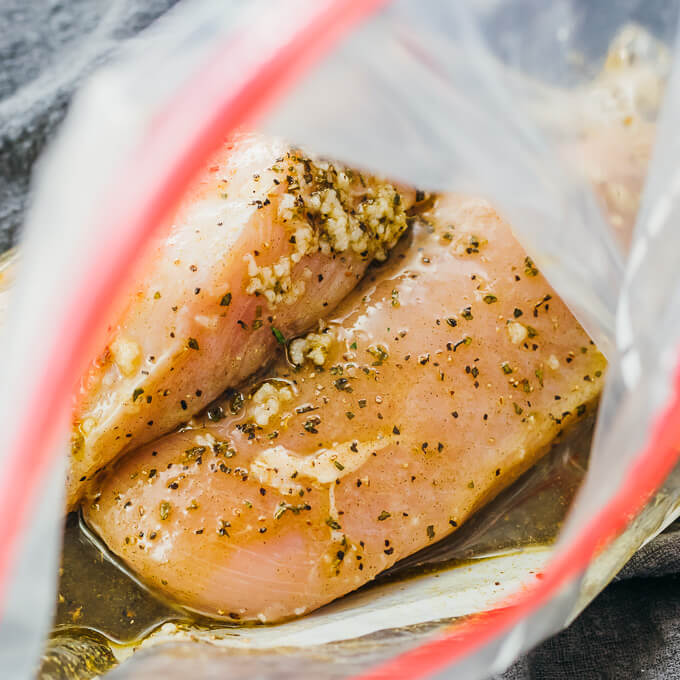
<point>446,374</point>
<point>266,242</point>
<point>614,158</point>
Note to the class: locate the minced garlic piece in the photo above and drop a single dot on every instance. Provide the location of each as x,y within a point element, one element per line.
<point>274,282</point>
<point>314,346</point>
<point>466,243</point>
<point>206,440</point>
<point>370,229</point>
<point>267,402</point>
<point>328,210</point>
<point>126,354</point>
<point>517,332</point>
<point>286,210</point>
<point>278,466</point>
<point>553,362</point>
<point>386,221</point>
<point>304,243</point>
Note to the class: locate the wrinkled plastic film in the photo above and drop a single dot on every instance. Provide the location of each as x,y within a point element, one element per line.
<point>468,121</point>
<point>470,101</point>
<point>26,622</point>
<point>21,636</point>
<point>640,378</point>
<point>108,122</point>
<point>643,100</point>
<point>648,321</point>
<point>647,332</point>
<point>352,107</point>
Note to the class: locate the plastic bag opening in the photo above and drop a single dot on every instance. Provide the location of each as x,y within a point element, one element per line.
<point>472,84</point>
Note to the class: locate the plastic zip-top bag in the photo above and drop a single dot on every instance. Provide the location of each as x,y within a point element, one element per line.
<point>546,115</point>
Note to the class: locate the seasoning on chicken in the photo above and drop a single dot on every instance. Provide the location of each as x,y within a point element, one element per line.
<point>445,375</point>
<point>266,242</point>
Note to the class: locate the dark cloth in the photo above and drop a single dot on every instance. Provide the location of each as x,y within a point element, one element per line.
<point>46,48</point>
<point>632,630</point>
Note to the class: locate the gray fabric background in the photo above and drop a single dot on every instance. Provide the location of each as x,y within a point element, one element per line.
<point>46,47</point>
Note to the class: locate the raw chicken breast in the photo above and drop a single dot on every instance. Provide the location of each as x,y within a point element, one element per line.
<point>445,375</point>
<point>614,158</point>
<point>266,242</point>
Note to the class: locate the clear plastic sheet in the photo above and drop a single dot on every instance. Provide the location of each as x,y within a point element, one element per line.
<point>498,98</point>
<point>470,88</point>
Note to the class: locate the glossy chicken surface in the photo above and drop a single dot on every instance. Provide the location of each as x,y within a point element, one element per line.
<point>446,374</point>
<point>266,242</point>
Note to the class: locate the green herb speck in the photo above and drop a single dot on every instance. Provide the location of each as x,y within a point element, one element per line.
<point>530,267</point>
<point>164,510</point>
<point>236,403</point>
<point>379,353</point>
<point>215,413</point>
